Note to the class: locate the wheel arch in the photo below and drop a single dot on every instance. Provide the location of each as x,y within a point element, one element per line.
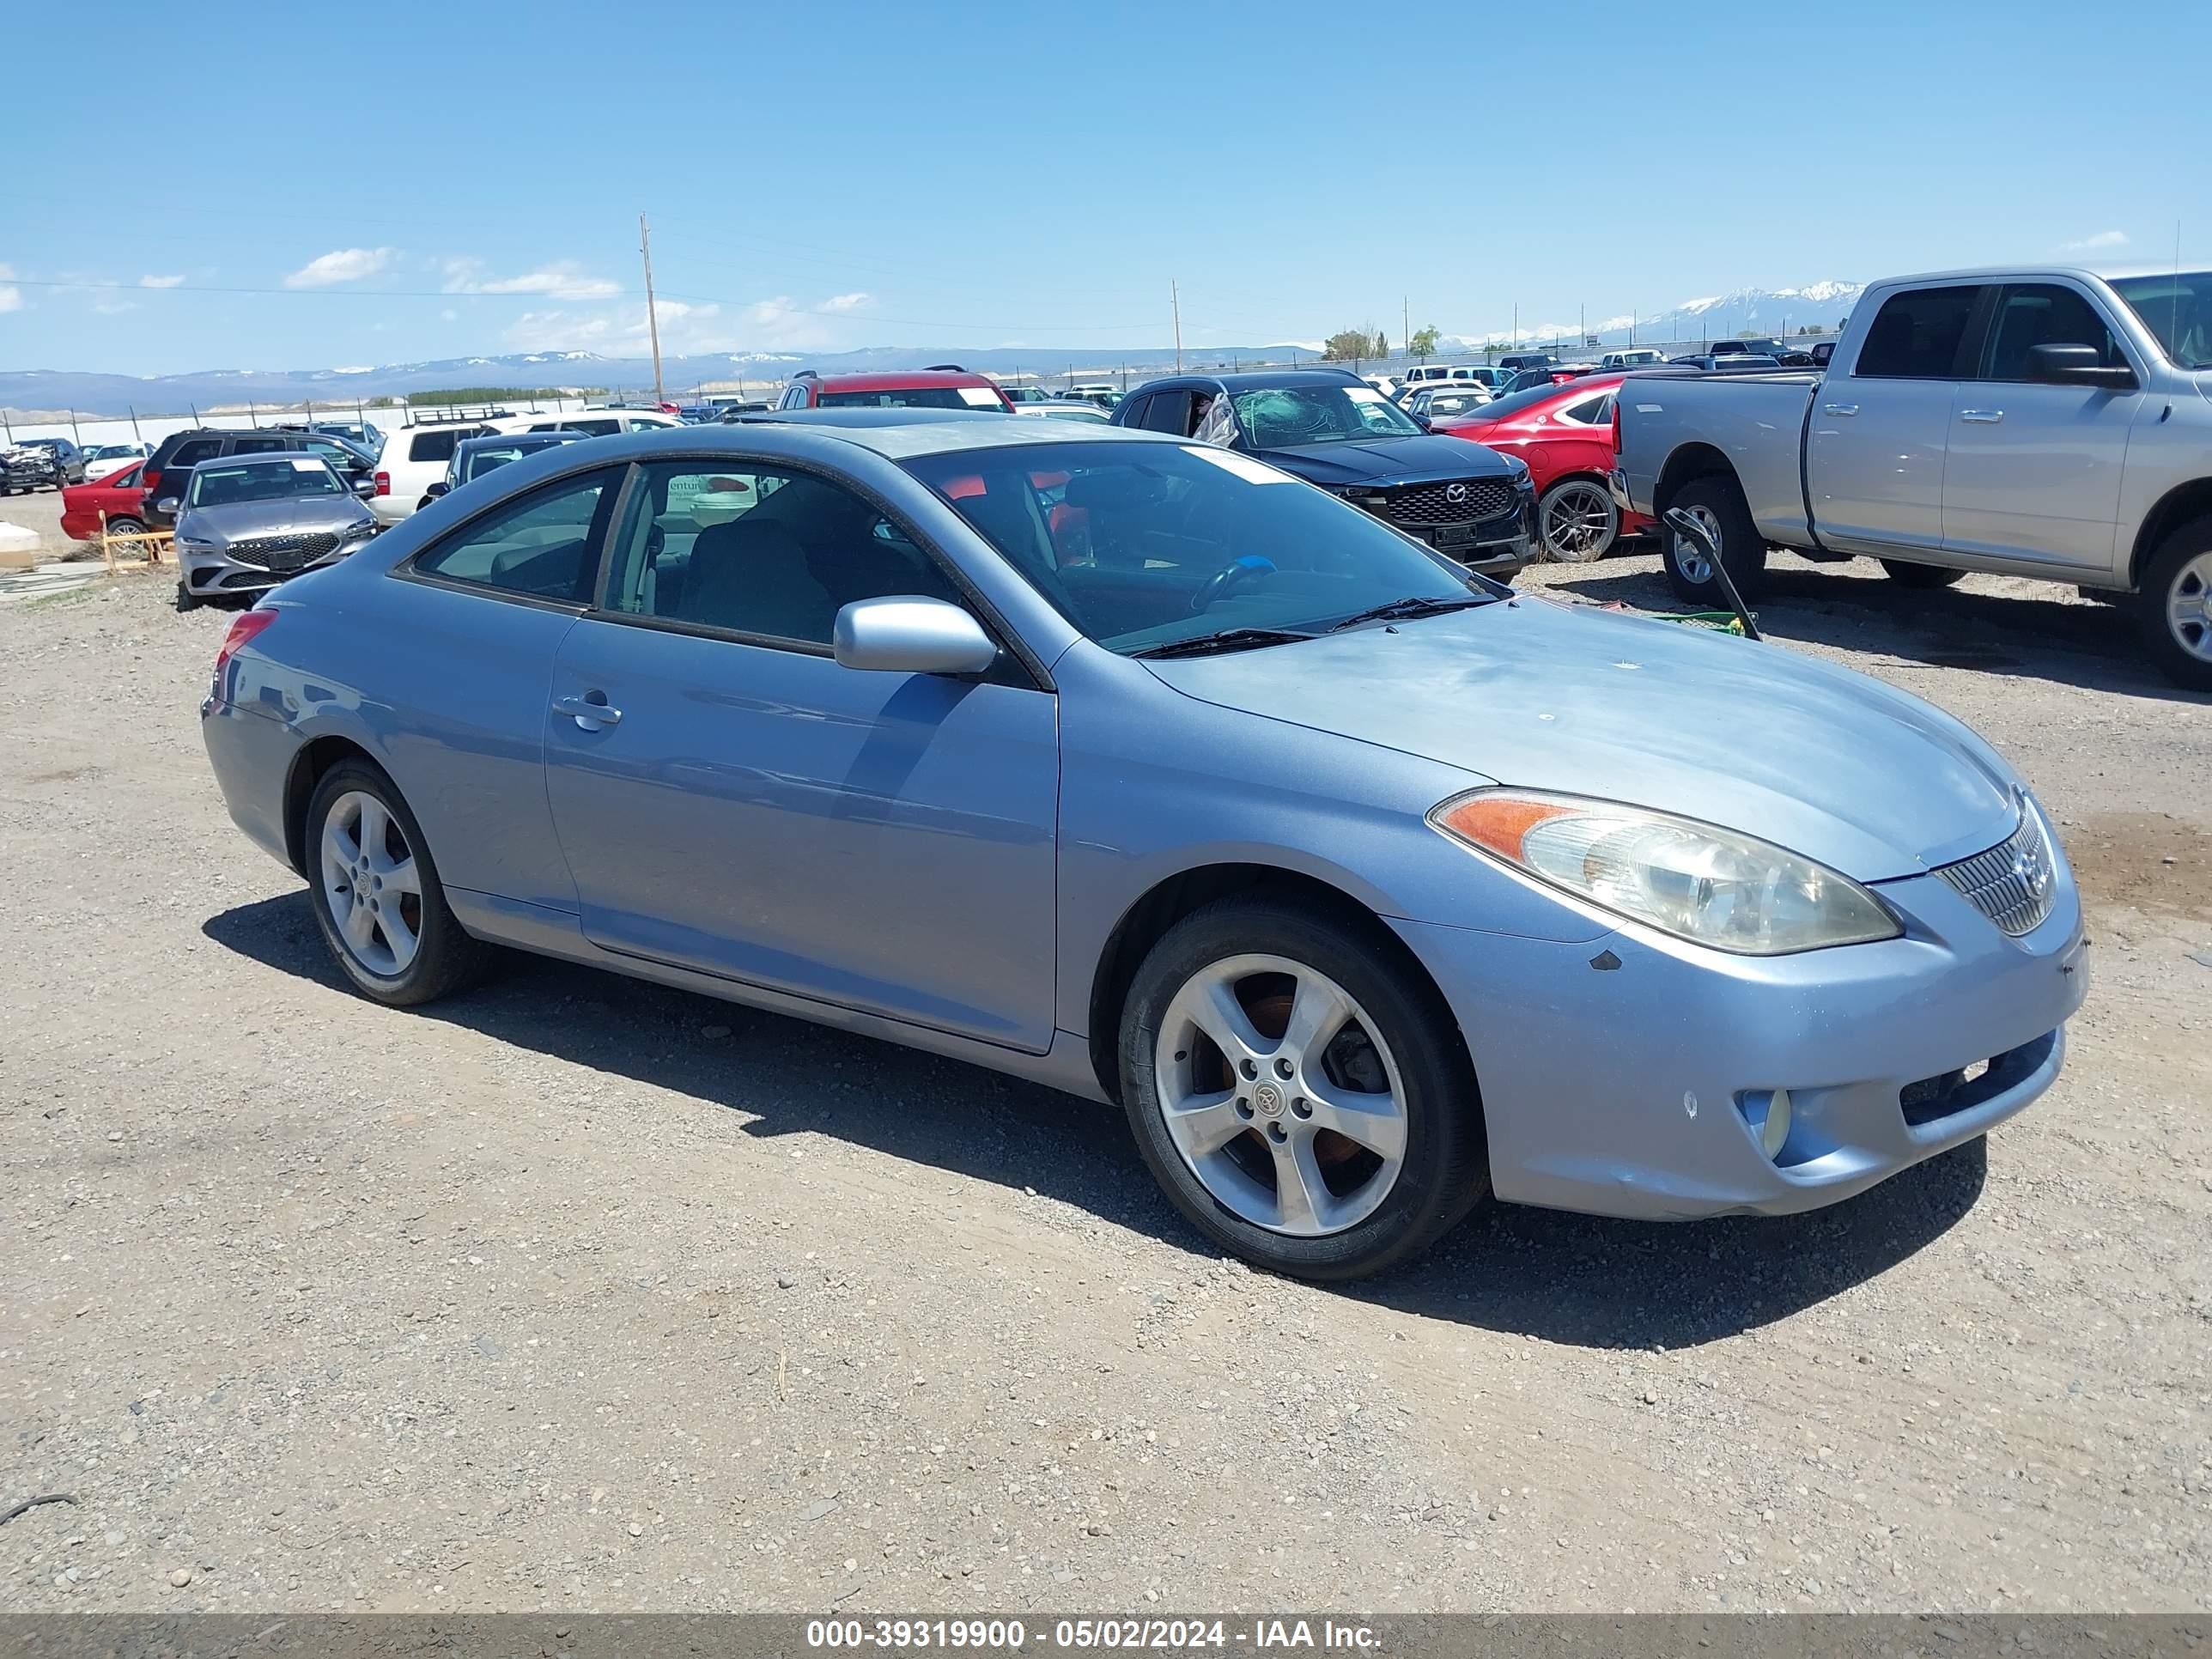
<point>1171,898</point>
<point>2181,505</point>
<point>1693,460</point>
<point>315,758</point>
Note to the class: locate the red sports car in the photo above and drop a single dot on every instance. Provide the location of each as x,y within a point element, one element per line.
<point>1564,432</point>
<point>117,495</point>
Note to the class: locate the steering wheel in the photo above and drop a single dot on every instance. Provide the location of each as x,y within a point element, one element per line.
<point>1219,584</point>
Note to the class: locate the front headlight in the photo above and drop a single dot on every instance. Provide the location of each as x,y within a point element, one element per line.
<point>1695,881</point>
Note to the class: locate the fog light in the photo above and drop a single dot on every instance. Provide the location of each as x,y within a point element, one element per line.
<point>1768,1114</point>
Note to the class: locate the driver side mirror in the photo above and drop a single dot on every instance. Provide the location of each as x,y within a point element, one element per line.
<point>909,635</point>
<point>439,487</point>
<point>364,487</point>
<point>168,504</point>
<point>2077,365</point>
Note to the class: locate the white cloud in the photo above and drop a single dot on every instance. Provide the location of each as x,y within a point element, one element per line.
<point>345,265</point>
<point>160,281</point>
<point>109,306</point>
<point>846,301</point>
<point>2102,239</point>
<point>780,324</point>
<point>11,297</point>
<point>561,280</point>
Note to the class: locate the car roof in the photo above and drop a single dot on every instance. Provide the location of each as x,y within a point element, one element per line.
<point>901,379</point>
<point>906,434</point>
<point>508,440</point>
<point>263,458</point>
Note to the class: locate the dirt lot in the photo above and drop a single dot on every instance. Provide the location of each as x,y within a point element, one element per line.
<point>581,1294</point>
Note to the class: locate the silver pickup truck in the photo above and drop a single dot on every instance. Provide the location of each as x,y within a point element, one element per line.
<point>2045,423</point>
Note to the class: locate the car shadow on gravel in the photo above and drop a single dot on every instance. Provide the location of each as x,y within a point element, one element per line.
<point>1581,1280</point>
<point>2068,641</point>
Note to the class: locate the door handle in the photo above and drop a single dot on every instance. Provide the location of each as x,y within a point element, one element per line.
<point>1840,408</point>
<point>592,716</point>
<point>1982,417</point>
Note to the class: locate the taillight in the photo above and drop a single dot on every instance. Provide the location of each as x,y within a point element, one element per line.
<point>1616,426</point>
<point>245,626</point>
<point>384,483</point>
<point>150,479</point>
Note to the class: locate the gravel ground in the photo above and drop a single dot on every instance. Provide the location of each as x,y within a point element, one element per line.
<point>581,1294</point>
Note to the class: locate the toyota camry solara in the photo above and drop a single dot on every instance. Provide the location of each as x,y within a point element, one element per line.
<point>1135,767</point>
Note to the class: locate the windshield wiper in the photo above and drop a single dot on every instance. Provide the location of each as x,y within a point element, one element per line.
<point>1229,639</point>
<point>1399,609</point>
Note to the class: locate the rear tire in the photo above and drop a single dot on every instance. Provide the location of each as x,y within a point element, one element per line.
<point>1717,500</point>
<point>1906,573</point>
<point>125,527</point>
<point>1377,1020</point>
<point>1578,521</point>
<point>376,894</point>
<point>2174,606</point>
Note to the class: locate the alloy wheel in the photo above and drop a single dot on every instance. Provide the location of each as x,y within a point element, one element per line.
<point>371,884</point>
<point>2189,606</point>
<point>1578,522</point>
<point>1280,1095</point>
<point>1689,558</point>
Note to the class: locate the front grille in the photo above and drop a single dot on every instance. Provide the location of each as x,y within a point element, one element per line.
<point>283,552</point>
<point>1424,504</point>
<point>2015,881</point>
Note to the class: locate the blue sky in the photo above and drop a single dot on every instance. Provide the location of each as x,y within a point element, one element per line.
<point>465,178</point>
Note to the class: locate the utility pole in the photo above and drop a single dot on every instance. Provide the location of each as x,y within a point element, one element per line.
<point>1406,320</point>
<point>1174,299</point>
<point>1517,325</point>
<point>651,317</point>
<point>137,436</point>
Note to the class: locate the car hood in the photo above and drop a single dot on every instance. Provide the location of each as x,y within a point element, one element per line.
<point>1387,461</point>
<point>1842,769</point>
<point>306,515</point>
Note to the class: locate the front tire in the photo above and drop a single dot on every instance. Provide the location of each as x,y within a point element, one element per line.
<point>1577,521</point>
<point>1320,1122</point>
<point>2174,607</point>
<point>1905,574</point>
<point>1715,501</point>
<point>376,893</point>
<point>186,599</point>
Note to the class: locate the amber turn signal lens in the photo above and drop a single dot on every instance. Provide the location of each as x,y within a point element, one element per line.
<point>1497,822</point>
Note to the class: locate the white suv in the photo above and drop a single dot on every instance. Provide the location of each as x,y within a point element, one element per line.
<point>594,423</point>
<point>412,459</point>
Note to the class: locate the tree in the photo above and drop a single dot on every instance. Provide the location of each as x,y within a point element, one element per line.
<point>1381,344</point>
<point>1424,343</point>
<point>1348,345</point>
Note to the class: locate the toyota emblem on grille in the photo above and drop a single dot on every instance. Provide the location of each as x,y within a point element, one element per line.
<point>1455,493</point>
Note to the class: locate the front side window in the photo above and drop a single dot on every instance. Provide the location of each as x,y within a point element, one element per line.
<point>2043,313</point>
<point>2178,311</point>
<point>760,551</point>
<point>218,484</point>
<point>1142,545</point>
<point>544,545</point>
<point>1282,417</point>
<point>1917,335</point>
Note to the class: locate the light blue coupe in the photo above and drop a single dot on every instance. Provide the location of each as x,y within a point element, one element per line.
<point>1140,769</point>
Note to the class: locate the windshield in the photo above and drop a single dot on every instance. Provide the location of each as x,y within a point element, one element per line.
<point>222,484</point>
<point>914,397</point>
<point>1282,417</point>
<point>1143,544</point>
<point>2177,309</point>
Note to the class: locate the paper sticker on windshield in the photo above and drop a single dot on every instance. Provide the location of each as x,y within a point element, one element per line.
<point>311,464</point>
<point>979,397</point>
<point>1243,466</point>
<point>1365,394</point>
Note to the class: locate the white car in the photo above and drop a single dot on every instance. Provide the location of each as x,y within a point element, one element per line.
<point>1382,383</point>
<point>1422,374</point>
<point>104,461</point>
<point>1634,357</point>
<point>412,459</point>
<point>597,423</point>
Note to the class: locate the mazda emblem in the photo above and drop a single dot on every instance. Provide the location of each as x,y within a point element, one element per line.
<point>1455,493</point>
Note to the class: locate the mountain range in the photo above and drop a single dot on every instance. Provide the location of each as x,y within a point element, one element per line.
<point>28,394</point>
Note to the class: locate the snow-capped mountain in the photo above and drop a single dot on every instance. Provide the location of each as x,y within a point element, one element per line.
<point>1821,305</point>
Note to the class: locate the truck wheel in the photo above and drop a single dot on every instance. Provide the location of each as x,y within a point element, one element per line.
<point>1716,501</point>
<point>1905,574</point>
<point>2174,608</point>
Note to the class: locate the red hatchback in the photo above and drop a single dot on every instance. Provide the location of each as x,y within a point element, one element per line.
<point>117,495</point>
<point>943,386</point>
<point>1565,434</point>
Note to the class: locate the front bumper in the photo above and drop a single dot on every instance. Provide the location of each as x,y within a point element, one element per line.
<point>1625,1076</point>
<point>213,573</point>
<point>1496,547</point>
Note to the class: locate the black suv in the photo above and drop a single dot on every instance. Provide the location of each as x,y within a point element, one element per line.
<point>180,452</point>
<point>1330,428</point>
<point>38,462</point>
